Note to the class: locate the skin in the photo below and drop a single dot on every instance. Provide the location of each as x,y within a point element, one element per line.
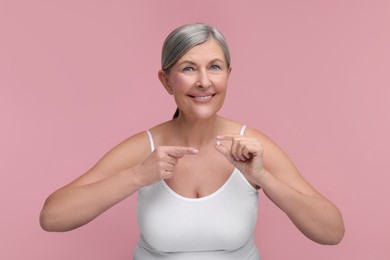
<point>188,159</point>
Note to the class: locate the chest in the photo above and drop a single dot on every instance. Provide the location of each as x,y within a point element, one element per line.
<point>201,175</point>
<point>223,221</point>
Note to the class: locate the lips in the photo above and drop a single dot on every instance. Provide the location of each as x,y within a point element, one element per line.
<point>201,96</point>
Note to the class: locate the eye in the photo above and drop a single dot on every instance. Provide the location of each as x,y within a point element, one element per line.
<point>188,69</point>
<point>215,67</point>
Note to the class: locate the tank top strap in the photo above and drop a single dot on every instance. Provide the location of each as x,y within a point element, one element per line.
<point>242,131</point>
<point>151,141</point>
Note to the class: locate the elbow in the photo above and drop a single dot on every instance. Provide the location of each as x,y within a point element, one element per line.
<point>46,222</point>
<point>50,225</point>
<point>329,238</point>
<point>333,236</point>
<point>334,231</point>
<point>52,221</point>
<point>337,236</point>
<point>45,218</point>
<point>326,234</point>
<point>338,231</point>
<point>49,220</point>
<point>335,239</point>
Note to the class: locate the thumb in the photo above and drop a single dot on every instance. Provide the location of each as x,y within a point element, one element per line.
<point>225,151</point>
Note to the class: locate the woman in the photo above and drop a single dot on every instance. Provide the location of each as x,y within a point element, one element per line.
<point>197,175</point>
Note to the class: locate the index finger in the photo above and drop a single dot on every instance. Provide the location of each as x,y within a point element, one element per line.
<point>228,137</point>
<point>180,150</point>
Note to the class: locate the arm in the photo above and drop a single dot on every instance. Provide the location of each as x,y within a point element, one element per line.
<point>267,166</point>
<point>120,173</point>
<point>111,180</point>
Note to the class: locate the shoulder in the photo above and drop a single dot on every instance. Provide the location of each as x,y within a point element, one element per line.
<point>231,127</point>
<point>262,137</point>
<point>161,129</point>
<point>275,159</point>
<point>138,145</point>
<point>126,154</point>
<point>278,163</point>
<point>134,146</point>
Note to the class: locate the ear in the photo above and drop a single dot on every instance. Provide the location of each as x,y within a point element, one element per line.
<point>229,71</point>
<point>164,80</point>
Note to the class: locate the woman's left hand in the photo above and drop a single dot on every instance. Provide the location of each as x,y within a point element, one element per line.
<point>245,153</point>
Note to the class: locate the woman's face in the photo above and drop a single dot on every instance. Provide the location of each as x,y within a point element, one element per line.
<point>198,80</point>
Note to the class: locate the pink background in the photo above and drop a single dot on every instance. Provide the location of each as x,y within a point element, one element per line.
<point>77,77</point>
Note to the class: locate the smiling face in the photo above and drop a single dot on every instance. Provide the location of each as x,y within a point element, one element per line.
<point>198,80</point>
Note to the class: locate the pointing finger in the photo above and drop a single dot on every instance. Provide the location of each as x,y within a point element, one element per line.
<point>179,151</point>
<point>226,137</point>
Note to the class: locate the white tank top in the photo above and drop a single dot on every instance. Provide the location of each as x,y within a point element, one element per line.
<point>218,226</point>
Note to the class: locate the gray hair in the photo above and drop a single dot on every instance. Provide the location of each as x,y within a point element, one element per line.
<point>187,36</point>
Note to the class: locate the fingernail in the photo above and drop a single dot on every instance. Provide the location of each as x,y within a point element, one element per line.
<point>195,151</point>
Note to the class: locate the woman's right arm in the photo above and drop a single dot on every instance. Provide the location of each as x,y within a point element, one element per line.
<point>120,173</point>
<point>115,177</point>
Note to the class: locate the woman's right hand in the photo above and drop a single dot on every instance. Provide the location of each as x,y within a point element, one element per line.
<point>160,164</point>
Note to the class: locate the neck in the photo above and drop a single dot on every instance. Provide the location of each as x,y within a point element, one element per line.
<point>196,133</point>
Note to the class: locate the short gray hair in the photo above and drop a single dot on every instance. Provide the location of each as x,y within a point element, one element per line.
<point>187,36</point>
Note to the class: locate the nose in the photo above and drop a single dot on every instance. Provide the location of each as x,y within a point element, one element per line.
<point>203,80</point>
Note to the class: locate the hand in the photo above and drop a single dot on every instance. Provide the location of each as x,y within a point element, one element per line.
<point>246,154</point>
<point>160,164</point>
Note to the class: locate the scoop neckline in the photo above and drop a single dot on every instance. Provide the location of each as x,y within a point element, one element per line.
<point>210,196</point>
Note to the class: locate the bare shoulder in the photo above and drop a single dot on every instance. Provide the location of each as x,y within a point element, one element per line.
<point>274,156</point>
<point>131,151</point>
<point>266,141</point>
<point>126,154</point>
<point>278,163</point>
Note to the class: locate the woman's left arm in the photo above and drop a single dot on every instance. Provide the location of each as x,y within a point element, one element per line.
<point>263,163</point>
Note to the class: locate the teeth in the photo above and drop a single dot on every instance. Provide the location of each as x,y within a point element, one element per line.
<point>203,97</point>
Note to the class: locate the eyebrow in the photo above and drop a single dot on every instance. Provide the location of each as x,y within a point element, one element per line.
<point>187,61</point>
<point>193,63</point>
